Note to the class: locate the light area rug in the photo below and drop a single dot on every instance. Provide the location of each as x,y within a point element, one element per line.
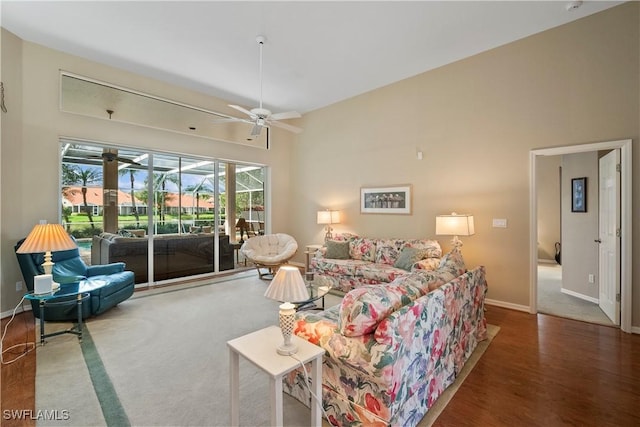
<point>161,359</point>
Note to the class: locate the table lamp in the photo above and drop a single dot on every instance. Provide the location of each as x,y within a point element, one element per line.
<point>286,286</point>
<point>455,225</point>
<point>328,217</point>
<point>46,238</point>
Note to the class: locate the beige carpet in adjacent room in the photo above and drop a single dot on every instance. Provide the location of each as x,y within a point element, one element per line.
<point>161,360</point>
<point>551,299</point>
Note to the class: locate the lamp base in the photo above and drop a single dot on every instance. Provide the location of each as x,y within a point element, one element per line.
<point>328,235</point>
<point>287,350</point>
<point>287,317</point>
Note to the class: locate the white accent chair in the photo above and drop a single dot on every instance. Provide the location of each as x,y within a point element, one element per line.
<point>269,252</point>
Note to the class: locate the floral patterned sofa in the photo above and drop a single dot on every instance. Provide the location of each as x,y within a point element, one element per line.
<point>350,261</point>
<point>392,349</point>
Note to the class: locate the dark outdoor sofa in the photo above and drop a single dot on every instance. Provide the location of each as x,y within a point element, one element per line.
<point>174,255</point>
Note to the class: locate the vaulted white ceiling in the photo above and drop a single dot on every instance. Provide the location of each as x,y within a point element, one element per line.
<point>316,53</point>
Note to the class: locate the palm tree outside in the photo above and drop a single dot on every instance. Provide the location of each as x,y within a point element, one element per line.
<point>73,175</point>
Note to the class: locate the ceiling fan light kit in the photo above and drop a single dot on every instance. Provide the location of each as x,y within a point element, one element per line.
<point>260,116</point>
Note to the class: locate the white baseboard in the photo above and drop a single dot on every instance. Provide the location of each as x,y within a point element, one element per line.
<point>518,307</point>
<point>581,296</point>
<point>8,313</point>
<point>509,305</point>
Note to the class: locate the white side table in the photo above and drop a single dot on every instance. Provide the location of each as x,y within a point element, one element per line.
<point>260,349</point>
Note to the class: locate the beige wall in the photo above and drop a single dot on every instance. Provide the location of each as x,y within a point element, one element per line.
<point>476,121</point>
<point>580,229</point>
<point>34,123</point>
<point>548,185</point>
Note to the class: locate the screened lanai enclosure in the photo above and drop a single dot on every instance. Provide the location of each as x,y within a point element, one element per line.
<point>166,216</point>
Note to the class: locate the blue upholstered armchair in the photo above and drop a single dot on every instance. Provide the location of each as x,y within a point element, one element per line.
<point>69,268</point>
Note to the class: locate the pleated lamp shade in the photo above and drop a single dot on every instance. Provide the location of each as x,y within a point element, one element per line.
<point>287,285</point>
<point>47,238</point>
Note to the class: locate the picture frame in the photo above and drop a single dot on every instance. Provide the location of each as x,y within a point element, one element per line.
<point>394,199</point>
<point>579,194</point>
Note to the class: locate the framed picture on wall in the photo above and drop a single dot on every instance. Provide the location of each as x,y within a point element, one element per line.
<point>386,200</point>
<point>579,194</point>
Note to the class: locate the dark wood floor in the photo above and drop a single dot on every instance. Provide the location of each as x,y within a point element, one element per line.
<point>539,371</point>
<point>18,379</point>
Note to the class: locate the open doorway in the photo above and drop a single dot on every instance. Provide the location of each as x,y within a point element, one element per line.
<point>564,228</point>
<point>545,275</point>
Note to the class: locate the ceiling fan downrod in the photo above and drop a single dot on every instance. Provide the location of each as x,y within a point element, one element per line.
<point>261,39</point>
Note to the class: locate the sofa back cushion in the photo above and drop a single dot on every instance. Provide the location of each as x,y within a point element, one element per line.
<point>388,250</point>
<point>363,249</point>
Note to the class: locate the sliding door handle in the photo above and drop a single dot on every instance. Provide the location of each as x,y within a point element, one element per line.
<point>598,241</point>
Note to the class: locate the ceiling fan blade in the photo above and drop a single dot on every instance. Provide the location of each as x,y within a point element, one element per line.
<point>290,128</point>
<point>228,120</point>
<point>243,110</point>
<point>123,160</point>
<point>286,115</point>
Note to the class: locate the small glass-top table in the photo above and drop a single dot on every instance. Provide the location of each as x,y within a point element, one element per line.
<point>316,292</point>
<point>79,289</point>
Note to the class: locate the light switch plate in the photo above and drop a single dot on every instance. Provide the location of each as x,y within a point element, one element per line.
<point>499,223</point>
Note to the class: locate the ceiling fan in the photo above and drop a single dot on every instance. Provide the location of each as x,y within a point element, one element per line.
<point>260,116</point>
<point>110,157</point>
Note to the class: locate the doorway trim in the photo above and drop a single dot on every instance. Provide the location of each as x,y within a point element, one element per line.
<point>625,221</point>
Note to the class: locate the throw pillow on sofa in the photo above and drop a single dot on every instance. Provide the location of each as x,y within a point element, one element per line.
<point>337,250</point>
<point>453,263</point>
<point>409,256</point>
<point>432,247</point>
<point>426,264</point>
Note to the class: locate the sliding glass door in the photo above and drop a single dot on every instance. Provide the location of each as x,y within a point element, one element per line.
<point>123,204</point>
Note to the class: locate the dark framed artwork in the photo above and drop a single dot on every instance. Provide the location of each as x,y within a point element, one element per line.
<point>579,194</point>
<point>386,200</point>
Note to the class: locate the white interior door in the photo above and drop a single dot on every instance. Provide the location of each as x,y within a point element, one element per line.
<point>609,236</point>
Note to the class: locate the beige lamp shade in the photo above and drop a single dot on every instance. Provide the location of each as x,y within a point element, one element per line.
<point>287,285</point>
<point>47,238</point>
<point>455,225</point>
<point>328,217</point>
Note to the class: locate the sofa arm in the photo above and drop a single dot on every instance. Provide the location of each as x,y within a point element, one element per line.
<point>95,270</point>
<point>317,328</point>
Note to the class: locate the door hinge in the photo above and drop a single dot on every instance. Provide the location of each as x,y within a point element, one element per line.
<point>618,233</point>
<point>617,297</point>
<point>618,167</point>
